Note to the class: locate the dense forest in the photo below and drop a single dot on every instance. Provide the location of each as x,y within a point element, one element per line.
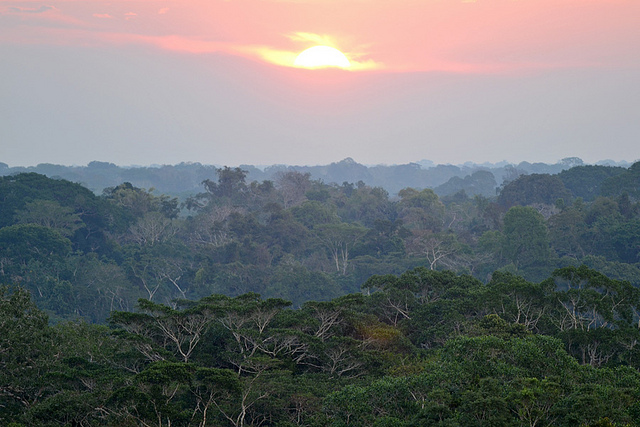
<point>83,255</point>
<point>295,302</point>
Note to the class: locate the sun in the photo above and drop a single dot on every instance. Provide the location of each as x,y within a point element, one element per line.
<point>321,57</point>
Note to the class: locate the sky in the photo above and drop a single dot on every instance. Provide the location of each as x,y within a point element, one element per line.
<point>140,82</point>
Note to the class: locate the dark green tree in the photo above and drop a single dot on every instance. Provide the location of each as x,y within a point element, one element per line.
<point>526,240</point>
<point>533,189</point>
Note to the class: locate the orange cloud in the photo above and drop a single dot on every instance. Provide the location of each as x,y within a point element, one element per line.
<point>280,57</point>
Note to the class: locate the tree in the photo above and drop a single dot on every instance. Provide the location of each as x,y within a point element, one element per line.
<point>24,242</point>
<point>626,240</point>
<point>179,331</point>
<point>526,241</point>
<point>603,219</point>
<point>155,398</point>
<point>151,229</point>
<point>328,316</point>
<point>36,257</point>
<point>421,210</point>
<point>49,213</point>
<point>312,213</point>
<point>532,189</point>
<point>247,319</point>
<point>339,239</point>
<point>229,190</point>
<point>292,187</point>
<point>517,300</point>
<point>480,182</point>
<point>100,286</point>
<point>139,201</point>
<point>366,205</point>
<point>625,182</point>
<point>586,181</point>
<point>231,184</point>
<point>566,232</point>
<point>437,248</point>
<point>593,313</point>
<point>536,401</point>
<point>214,387</point>
<point>25,352</point>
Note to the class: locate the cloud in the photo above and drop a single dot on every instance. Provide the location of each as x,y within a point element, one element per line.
<point>171,43</point>
<point>357,58</point>
<point>102,15</point>
<point>163,11</point>
<point>316,39</point>
<point>130,15</point>
<point>40,9</point>
<point>280,57</point>
<point>274,56</point>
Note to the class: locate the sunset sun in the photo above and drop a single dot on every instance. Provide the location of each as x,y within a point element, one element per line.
<point>321,57</point>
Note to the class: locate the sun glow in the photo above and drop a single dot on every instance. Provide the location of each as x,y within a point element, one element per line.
<point>321,57</point>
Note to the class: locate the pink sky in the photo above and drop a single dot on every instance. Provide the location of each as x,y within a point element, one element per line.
<point>516,39</point>
<point>463,36</point>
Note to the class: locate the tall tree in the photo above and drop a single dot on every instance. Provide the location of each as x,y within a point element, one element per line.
<point>533,189</point>
<point>25,352</point>
<point>526,240</point>
<point>339,239</point>
<point>292,187</point>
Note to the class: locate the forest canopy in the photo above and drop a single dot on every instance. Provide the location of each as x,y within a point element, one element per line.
<point>82,255</point>
<point>296,302</point>
<point>421,348</point>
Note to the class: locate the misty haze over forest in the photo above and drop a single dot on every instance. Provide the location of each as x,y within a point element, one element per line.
<point>184,179</point>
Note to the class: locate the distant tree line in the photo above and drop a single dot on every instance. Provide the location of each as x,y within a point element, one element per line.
<point>184,179</point>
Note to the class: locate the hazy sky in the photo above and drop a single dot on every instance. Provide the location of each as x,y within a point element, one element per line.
<point>212,81</point>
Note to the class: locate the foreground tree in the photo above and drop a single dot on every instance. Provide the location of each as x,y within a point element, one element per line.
<point>25,351</point>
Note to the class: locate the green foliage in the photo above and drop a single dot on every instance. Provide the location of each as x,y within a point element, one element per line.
<point>488,343</point>
<point>566,231</point>
<point>478,183</point>
<point>421,210</point>
<point>526,241</point>
<point>533,189</point>
<point>138,202</point>
<point>586,181</point>
<point>26,242</point>
<point>422,347</point>
<point>279,239</point>
<point>486,381</point>
<point>312,213</point>
<point>50,214</point>
<point>626,182</point>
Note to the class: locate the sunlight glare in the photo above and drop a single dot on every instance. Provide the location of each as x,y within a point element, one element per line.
<point>321,57</point>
